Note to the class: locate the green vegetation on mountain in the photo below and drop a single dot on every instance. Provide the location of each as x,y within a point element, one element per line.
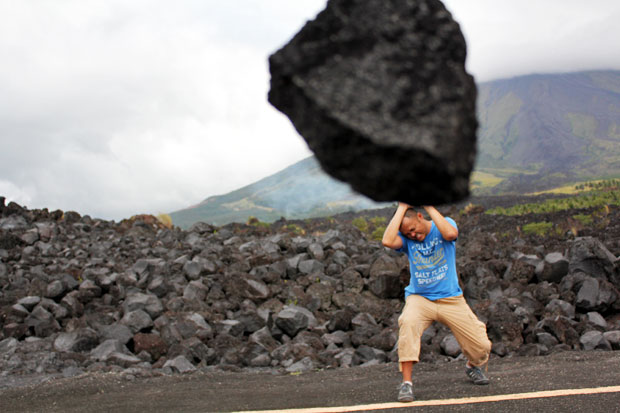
<point>591,194</point>
<point>300,191</point>
<point>538,132</point>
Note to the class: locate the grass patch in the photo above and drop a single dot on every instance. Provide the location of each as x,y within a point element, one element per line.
<point>377,234</point>
<point>373,227</point>
<point>584,219</point>
<point>601,195</point>
<point>484,180</point>
<point>360,223</point>
<point>538,228</point>
<point>295,229</point>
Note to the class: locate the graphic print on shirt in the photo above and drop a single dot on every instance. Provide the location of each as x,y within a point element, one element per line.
<point>430,263</point>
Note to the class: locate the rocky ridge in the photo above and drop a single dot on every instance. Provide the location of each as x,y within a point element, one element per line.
<point>86,295</point>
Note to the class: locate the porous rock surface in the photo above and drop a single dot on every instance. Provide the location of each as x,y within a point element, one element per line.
<point>379,91</point>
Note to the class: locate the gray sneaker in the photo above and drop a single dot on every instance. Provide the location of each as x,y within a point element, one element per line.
<point>476,375</point>
<point>405,393</point>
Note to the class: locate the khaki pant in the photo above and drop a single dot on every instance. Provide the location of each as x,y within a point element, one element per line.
<point>420,312</point>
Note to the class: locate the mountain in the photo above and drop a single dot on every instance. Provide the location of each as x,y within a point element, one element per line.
<point>300,191</point>
<point>536,132</point>
<point>541,131</point>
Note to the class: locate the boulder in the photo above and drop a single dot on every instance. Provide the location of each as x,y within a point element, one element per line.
<point>592,340</point>
<point>250,287</point>
<point>560,307</point>
<point>596,295</point>
<point>103,351</point>
<point>137,320</point>
<point>553,268</point>
<point>379,86</point>
<point>385,277</point>
<point>76,341</point>
<point>293,319</point>
<point>151,343</point>
<point>264,339</point>
<point>116,331</point>
<point>122,359</point>
<point>305,364</point>
<point>450,346</point>
<point>596,319</point>
<point>589,255</point>
<point>613,337</point>
<point>147,302</point>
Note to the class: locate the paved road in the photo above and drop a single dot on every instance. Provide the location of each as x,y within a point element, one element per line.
<point>215,392</point>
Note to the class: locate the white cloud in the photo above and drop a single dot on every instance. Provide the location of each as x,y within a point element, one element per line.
<point>117,108</point>
<point>510,38</point>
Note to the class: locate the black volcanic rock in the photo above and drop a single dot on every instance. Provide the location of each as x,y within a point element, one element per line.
<point>379,91</point>
<point>116,296</point>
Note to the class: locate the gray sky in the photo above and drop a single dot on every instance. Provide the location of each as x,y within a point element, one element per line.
<point>118,107</point>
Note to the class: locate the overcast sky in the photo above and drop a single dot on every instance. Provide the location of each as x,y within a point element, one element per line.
<point>118,107</point>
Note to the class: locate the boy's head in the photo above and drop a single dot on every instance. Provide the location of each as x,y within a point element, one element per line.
<point>414,226</point>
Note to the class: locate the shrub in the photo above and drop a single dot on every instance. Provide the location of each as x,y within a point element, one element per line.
<point>377,234</point>
<point>378,221</point>
<point>361,224</point>
<point>255,222</point>
<point>165,220</point>
<point>295,229</point>
<point>538,228</point>
<point>584,219</point>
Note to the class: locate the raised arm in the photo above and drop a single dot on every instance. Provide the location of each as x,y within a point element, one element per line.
<point>448,232</point>
<point>390,236</point>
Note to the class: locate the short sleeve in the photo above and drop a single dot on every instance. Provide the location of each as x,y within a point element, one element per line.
<point>453,223</point>
<point>404,247</point>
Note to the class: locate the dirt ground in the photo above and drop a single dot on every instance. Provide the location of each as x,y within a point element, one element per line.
<point>222,391</point>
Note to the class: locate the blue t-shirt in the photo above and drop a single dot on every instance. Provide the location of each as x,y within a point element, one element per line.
<point>432,264</point>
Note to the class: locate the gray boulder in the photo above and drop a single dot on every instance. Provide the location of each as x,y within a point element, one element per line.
<point>305,364</point>
<point>180,364</point>
<point>116,331</point>
<point>55,289</point>
<point>596,319</point>
<point>450,346</point>
<point>137,320</point>
<point>613,337</point>
<point>385,277</point>
<point>250,287</point>
<point>596,295</point>
<point>264,339</point>
<point>292,319</point>
<point>76,341</point>
<point>122,359</point>
<point>553,268</point>
<point>147,302</point>
<point>560,307</point>
<point>589,255</point>
<point>29,302</point>
<point>546,339</point>
<point>103,351</point>
<point>592,340</point>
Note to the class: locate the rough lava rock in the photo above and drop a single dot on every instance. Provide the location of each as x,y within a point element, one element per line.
<point>379,91</point>
<point>102,296</point>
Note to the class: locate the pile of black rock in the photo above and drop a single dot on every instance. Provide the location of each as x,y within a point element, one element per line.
<point>79,294</point>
